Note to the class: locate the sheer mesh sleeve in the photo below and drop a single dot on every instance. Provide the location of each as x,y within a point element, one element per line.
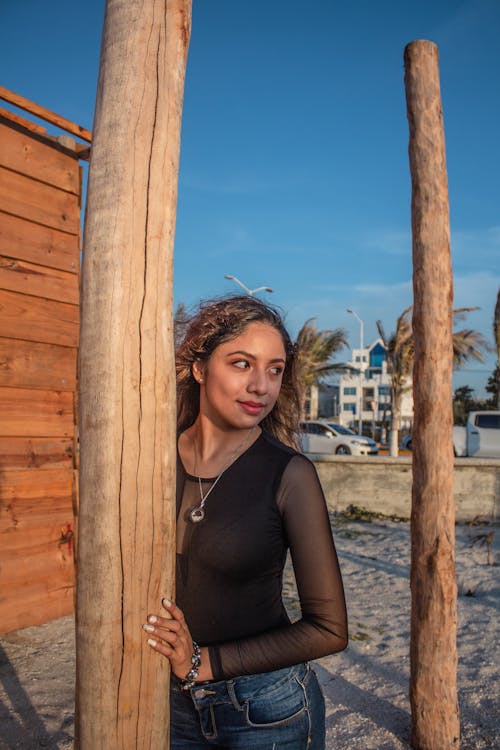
<point>322,628</point>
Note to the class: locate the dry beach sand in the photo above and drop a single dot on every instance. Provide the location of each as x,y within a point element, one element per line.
<point>366,687</point>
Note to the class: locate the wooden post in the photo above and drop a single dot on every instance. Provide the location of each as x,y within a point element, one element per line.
<point>127,385</point>
<point>433,654</point>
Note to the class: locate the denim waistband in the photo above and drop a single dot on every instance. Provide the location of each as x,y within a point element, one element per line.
<point>214,691</point>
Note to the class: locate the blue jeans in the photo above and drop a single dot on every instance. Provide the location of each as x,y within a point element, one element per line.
<point>277,710</point>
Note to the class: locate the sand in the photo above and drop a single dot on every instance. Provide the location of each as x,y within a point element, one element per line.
<point>366,687</point>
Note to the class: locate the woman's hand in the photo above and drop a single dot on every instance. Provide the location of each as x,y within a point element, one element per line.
<point>170,636</point>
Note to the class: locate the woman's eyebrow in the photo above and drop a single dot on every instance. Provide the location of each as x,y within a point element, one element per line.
<point>252,356</point>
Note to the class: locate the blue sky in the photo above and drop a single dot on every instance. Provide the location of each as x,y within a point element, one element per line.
<point>294,167</point>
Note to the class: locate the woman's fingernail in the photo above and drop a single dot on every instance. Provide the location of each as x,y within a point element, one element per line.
<point>152,642</point>
<point>166,602</point>
<point>149,628</point>
<point>152,618</point>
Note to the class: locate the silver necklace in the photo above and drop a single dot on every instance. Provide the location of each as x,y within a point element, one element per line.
<point>197,513</point>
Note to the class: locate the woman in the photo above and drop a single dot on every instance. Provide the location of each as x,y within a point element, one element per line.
<point>244,497</point>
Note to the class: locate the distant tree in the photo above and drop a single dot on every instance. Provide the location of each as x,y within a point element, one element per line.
<point>315,350</point>
<point>493,386</point>
<point>463,398</point>
<point>181,319</point>
<point>399,353</point>
<point>467,344</point>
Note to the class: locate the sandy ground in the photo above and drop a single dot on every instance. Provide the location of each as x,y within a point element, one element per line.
<point>366,687</point>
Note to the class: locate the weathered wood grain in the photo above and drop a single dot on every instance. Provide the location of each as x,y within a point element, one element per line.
<point>33,499</point>
<point>126,547</point>
<point>433,650</point>
<point>37,319</point>
<point>45,114</point>
<point>36,201</point>
<point>31,157</point>
<point>35,453</point>
<point>38,281</point>
<point>22,239</point>
<point>37,601</point>
<point>30,413</point>
<point>26,364</point>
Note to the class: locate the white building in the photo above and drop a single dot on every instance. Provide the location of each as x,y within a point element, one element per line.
<point>368,389</point>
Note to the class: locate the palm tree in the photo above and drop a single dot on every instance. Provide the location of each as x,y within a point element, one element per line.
<point>399,353</point>
<point>181,319</point>
<point>467,344</point>
<point>315,349</point>
<point>495,377</point>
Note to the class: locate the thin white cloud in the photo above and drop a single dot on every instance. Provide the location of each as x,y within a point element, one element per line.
<point>476,247</point>
<point>238,184</point>
<point>388,242</point>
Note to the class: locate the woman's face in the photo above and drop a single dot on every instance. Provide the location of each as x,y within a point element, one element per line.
<point>242,379</point>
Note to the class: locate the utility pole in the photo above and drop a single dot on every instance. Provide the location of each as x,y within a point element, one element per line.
<point>127,384</point>
<point>433,650</point>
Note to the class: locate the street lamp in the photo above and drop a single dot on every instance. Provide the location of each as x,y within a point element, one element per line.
<point>250,292</point>
<point>361,370</point>
<point>361,325</point>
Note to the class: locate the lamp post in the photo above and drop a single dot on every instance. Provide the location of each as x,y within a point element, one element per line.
<point>361,370</point>
<point>250,292</point>
<point>361,325</point>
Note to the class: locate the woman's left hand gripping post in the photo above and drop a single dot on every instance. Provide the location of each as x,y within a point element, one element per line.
<point>170,636</point>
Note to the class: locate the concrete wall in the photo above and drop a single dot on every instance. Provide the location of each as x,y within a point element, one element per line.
<point>383,485</point>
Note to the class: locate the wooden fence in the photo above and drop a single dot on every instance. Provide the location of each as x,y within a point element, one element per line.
<point>40,200</point>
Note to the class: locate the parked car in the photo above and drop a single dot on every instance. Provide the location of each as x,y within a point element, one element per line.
<point>320,436</point>
<point>406,442</point>
<point>480,437</point>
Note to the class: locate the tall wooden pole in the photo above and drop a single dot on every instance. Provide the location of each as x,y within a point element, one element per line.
<point>127,384</point>
<point>433,654</point>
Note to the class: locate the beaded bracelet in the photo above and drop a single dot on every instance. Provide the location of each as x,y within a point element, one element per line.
<point>189,681</point>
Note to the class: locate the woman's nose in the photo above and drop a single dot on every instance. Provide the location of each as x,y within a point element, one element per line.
<point>258,382</point>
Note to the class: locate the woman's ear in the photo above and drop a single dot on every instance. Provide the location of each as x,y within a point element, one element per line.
<point>197,370</point>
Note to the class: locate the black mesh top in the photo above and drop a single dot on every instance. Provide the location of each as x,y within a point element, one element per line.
<point>230,565</point>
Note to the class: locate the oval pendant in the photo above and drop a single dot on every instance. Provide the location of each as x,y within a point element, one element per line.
<point>197,515</point>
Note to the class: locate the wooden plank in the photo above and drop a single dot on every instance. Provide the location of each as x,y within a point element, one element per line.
<point>36,201</point>
<point>36,453</point>
<point>26,364</point>
<point>45,114</point>
<point>35,553</point>
<point>36,602</point>
<point>29,413</point>
<point>29,156</point>
<point>39,281</point>
<point>20,238</point>
<point>18,120</point>
<point>36,319</point>
<point>32,499</point>
<point>70,147</point>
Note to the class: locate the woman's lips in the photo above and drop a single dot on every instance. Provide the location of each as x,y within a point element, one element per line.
<point>251,407</point>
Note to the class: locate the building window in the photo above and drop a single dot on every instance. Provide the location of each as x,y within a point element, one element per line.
<point>377,356</point>
<point>383,390</point>
<point>349,391</point>
<point>350,407</point>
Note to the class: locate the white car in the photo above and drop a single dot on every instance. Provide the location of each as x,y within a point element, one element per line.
<point>319,436</point>
<point>480,437</point>
<point>406,443</point>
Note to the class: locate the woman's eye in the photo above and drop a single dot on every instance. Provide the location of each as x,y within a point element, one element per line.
<point>241,363</point>
<point>276,370</point>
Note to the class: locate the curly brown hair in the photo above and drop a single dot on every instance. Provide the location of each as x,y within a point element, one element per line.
<point>221,320</point>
